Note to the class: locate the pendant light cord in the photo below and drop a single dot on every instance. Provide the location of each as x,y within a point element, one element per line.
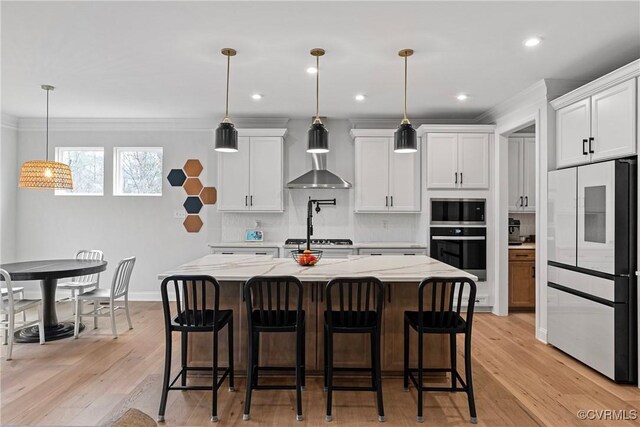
<point>226,109</point>
<point>317,88</point>
<point>47,137</point>
<point>404,119</point>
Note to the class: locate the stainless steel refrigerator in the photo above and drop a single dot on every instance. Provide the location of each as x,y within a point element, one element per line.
<point>591,288</point>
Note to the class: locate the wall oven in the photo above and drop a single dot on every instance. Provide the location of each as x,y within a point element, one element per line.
<point>458,234</point>
<point>461,247</point>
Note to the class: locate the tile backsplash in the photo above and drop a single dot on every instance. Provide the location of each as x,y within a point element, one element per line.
<point>527,223</point>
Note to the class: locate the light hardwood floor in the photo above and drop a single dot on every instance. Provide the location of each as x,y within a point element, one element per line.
<point>90,381</point>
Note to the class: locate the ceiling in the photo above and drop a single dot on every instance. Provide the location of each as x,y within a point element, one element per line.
<point>162,59</point>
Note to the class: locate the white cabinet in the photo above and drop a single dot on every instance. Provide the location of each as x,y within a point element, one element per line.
<point>251,179</point>
<point>392,251</point>
<point>600,127</point>
<point>272,251</point>
<point>458,160</point>
<point>385,181</point>
<point>522,174</point>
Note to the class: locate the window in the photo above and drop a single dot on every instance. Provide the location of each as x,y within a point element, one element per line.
<point>138,171</point>
<point>87,169</point>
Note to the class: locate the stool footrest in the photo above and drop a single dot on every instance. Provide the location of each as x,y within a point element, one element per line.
<point>273,387</point>
<point>415,382</point>
<point>352,388</point>
<point>225,374</point>
<point>275,368</point>
<point>338,369</point>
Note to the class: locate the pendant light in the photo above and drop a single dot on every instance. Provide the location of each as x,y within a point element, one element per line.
<point>404,139</point>
<point>318,134</point>
<point>226,134</point>
<point>46,173</point>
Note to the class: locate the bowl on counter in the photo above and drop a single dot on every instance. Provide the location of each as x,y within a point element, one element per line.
<point>306,257</point>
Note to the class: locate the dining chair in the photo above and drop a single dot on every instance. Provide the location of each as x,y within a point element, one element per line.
<point>9,307</point>
<point>78,285</point>
<point>19,292</point>
<point>119,289</point>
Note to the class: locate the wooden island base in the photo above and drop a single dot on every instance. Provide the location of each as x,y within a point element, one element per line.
<point>350,350</point>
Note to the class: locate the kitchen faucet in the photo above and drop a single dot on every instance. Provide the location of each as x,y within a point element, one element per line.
<point>325,202</point>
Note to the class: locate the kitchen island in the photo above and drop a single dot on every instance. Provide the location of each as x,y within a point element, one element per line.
<point>401,275</point>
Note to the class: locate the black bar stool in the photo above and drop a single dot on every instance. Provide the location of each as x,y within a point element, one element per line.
<point>194,314</point>
<point>274,304</point>
<point>442,317</point>
<point>359,312</point>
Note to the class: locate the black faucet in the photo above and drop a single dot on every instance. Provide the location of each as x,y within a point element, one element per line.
<point>318,203</point>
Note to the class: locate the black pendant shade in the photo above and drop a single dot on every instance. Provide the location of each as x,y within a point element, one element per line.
<point>318,139</point>
<point>405,139</point>
<point>226,138</point>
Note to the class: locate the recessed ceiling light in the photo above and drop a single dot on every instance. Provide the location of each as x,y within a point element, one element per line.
<point>533,41</point>
<point>256,96</point>
<point>462,97</point>
<point>312,70</point>
<point>360,97</point>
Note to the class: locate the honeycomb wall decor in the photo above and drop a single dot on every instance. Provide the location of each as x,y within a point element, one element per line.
<point>197,194</point>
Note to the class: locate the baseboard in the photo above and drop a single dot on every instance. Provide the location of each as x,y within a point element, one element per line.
<point>145,296</point>
<point>541,335</point>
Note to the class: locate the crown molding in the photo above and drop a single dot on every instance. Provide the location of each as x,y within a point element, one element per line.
<point>280,132</point>
<point>394,123</point>
<point>9,121</point>
<point>534,93</point>
<point>457,128</point>
<point>357,133</point>
<point>615,77</point>
<point>162,125</point>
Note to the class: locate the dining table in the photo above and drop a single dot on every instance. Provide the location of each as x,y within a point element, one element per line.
<point>48,272</point>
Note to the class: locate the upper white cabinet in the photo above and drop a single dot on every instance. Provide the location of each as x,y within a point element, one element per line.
<point>385,181</point>
<point>458,160</point>
<point>598,121</point>
<point>252,179</point>
<point>522,174</point>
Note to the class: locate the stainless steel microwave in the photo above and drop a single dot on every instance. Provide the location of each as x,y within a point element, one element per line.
<point>458,211</point>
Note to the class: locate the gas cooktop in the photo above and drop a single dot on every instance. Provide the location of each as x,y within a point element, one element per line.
<point>330,242</point>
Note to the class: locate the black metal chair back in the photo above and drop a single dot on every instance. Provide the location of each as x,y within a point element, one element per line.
<point>273,301</point>
<point>446,295</point>
<point>358,302</point>
<point>192,309</point>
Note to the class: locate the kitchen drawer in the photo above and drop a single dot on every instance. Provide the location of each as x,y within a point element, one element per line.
<point>522,254</point>
<point>270,251</point>
<point>582,328</point>
<point>592,285</point>
<point>391,251</point>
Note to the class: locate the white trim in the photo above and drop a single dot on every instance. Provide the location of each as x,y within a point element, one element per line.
<point>168,124</point>
<point>542,335</point>
<point>393,123</point>
<point>382,133</point>
<point>57,156</point>
<point>452,128</point>
<point>528,96</point>
<point>279,132</point>
<point>9,121</point>
<point>615,77</point>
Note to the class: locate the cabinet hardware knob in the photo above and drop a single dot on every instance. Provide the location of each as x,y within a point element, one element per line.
<point>245,200</point>
<point>251,201</point>
<point>526,201</point>
<point>391,201</point>
<point>456,177</point>
<point>584,147</point>
<point>521,200</point>
<point>591,139</point>
<point>386,201</point>
<point>460,178</point>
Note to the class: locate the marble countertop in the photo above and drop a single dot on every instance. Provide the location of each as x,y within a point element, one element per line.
<point>389,245</point>
<point>246,245</point>
<point>386,268</point>
<point>365,245</point>
<point>523,246</point>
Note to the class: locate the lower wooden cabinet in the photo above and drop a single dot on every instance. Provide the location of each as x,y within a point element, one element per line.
<point>350,350</point>
<point>522,279</point>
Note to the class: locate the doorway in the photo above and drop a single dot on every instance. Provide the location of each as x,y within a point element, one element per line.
<point>522,208</point>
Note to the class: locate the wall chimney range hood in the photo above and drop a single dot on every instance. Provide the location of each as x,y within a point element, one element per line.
<point>319,177</point>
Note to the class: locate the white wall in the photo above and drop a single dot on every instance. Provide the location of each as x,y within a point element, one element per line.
<point>52,226</point>
<point>8,189</point>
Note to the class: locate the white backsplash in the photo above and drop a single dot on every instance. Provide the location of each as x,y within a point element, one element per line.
<point>527,223</point>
